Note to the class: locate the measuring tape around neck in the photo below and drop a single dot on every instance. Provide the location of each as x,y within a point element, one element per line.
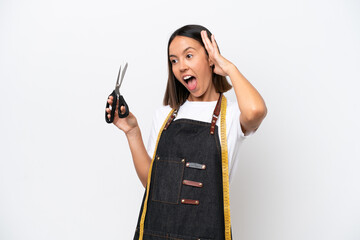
<point>225,170</point>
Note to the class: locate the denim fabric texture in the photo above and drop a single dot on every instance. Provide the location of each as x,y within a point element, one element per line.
<point>185,140</point>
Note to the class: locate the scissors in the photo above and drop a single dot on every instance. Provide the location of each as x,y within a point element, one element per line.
<point>117,96</point>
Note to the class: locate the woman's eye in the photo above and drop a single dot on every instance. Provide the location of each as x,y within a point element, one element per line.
<point>173,61</point>
<point>189,55</point>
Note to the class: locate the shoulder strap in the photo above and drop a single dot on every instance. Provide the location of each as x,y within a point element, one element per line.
<point>215,115</point>
<point>171,118</point>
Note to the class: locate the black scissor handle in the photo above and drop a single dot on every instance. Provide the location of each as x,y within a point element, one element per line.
<point>123,103</point>
<point>113,108</point>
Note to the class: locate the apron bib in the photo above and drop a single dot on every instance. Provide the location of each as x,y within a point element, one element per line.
<point>185,200</point>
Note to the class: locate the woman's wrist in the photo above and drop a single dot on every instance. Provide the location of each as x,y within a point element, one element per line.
<point>133,133</point>
<point>231,69</point>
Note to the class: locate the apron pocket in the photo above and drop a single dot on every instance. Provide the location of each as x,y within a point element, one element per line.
<point>168,175</point>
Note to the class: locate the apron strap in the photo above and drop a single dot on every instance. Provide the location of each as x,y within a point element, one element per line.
<point>215,115</point>
<point>171,118</point>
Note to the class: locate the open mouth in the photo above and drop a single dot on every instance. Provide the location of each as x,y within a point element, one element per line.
<point>190,81</point>
<point>188,78</point>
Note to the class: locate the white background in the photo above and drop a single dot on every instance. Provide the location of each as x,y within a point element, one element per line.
<point>66,174</point>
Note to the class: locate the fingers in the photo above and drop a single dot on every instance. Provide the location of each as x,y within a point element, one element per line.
<point>122,109</point>
<point>214,43</point>
<point>207,42</point>
<point>108,110</point>
<point>110,100</point>
<point>205,39</point>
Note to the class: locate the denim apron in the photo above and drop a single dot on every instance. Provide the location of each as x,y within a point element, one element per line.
<point>185,200</point>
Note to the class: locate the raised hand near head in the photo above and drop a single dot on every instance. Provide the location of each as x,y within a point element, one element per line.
<point>221,64</point>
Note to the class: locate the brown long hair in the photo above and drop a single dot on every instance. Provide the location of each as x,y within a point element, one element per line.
<point>176,94</point>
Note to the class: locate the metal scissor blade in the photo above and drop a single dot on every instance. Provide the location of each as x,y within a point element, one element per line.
<point>123,73</point>
<point>118,77</point>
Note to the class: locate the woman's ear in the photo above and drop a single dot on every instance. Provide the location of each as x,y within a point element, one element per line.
<point>211,64</point>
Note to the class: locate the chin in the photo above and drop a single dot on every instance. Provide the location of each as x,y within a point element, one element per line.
<point>196,95</point>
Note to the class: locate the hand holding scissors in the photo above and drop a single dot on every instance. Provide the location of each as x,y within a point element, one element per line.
<point>117,96</point>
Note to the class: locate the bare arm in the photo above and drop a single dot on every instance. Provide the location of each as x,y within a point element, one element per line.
<point>139,154</point>
<point>251,104</point>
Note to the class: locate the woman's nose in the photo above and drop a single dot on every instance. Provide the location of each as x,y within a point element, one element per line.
<point>183,66</point>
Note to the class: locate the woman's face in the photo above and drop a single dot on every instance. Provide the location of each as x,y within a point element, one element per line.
<point>192,67</point>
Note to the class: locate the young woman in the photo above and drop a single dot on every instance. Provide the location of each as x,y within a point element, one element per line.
<point>194,138</point>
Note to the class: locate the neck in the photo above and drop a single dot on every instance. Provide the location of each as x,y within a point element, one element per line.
<point>215,97</point>
<point>208,96</point>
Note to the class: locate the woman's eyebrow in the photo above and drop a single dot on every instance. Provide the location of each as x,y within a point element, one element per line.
<point>183,51</point>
